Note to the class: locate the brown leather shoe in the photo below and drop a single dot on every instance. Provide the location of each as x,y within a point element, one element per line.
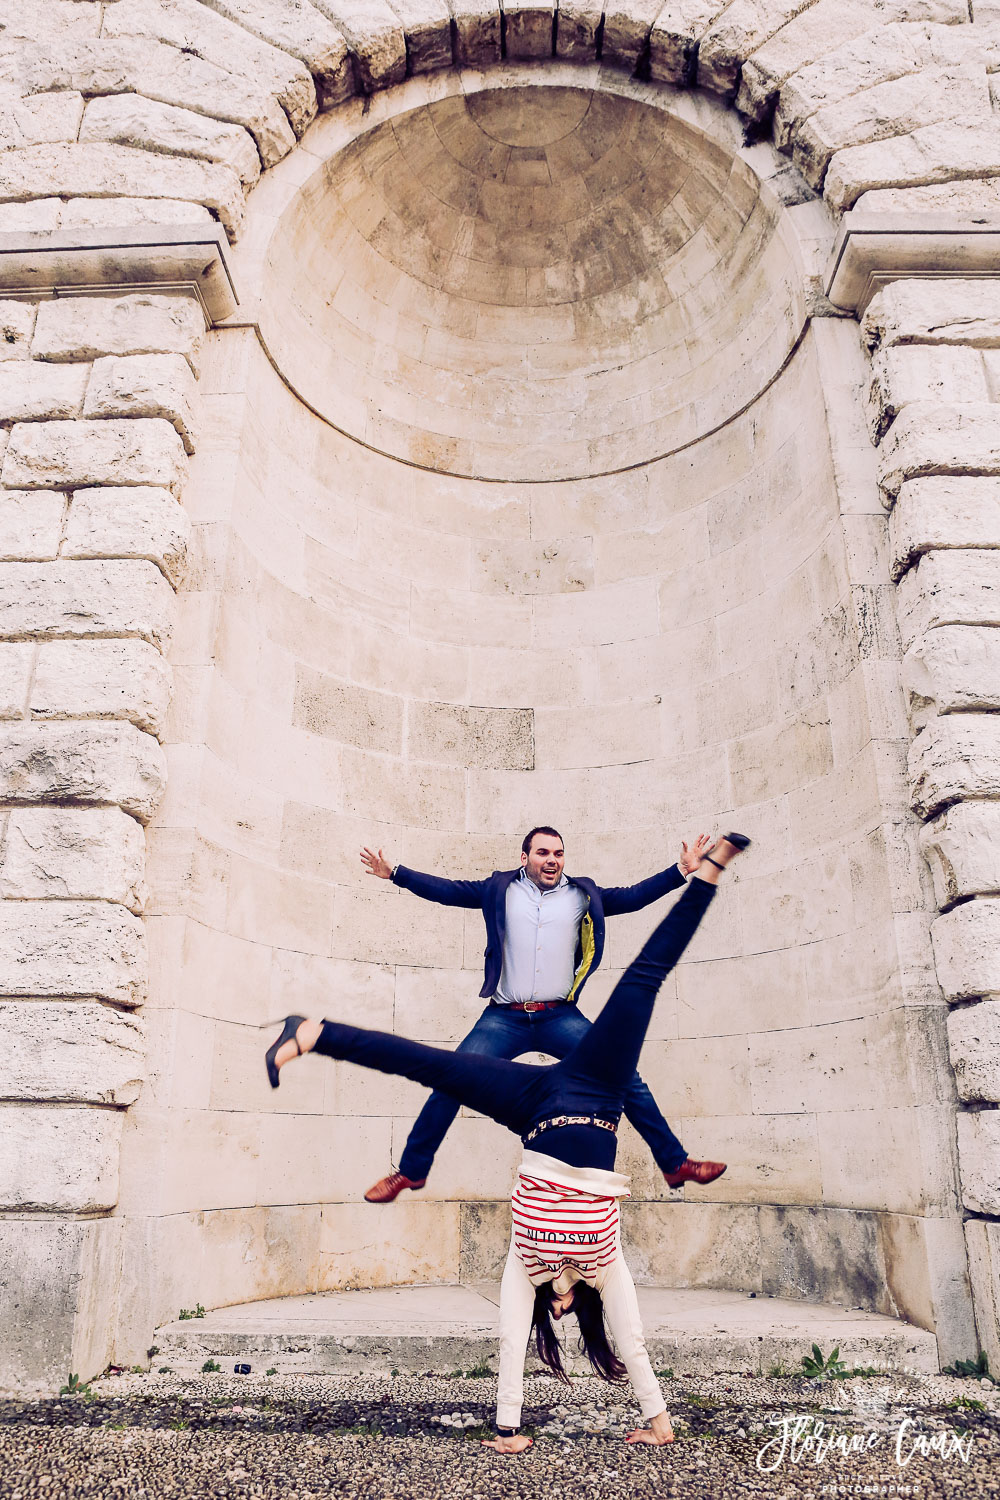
<point>389,1188</point>
<point>694,1171</point>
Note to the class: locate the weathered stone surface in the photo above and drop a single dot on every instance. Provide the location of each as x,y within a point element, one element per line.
<point>144,385</point>
<point>37,217</point>
<point>978,1154</point>
<point>101,213</point>
<point>30,524</point>
<point>934,153</point>
<point>109,597</point>
<point>71,328</point>
<point>955,756</point>
<point>298,28</point>
<point>32,391</point>
<point>99,171</point>
<point>891,109</point>
<point>74,853</point>
<point>167,74</point>
<point>674,36</point>
<point>492,738</point>
<point>930,439</point>
<point>960,586</point>
<point>77,1052</point>
<point>101,680</point>
<point>345,712</point>
<point>375,37</point>
<point>63,455</point>
<point>577,28</point>
<point>16,660</point>
<point>41,119</point>
<point>741,28</point>
<point>427,29</point>
<point>88,948</point>
<point>952,669</point>
<point>942,513</point>
<point>959,199</point>
<point>129,521</point>
<point>528,29</point>
<point>148,125</point>
<point>477,32</point>
<point>193,29</point>
<point>49,18</point>
<point>17,320</point>
<point>974,1048</point>
<point>60,1159</point>
<point>82,762</point>
<point>933,311</point>
<point>962,847</point>
<point>626,28</point>
<point>918,372</point>
<point>983,1244</point>
<point>967,950</point>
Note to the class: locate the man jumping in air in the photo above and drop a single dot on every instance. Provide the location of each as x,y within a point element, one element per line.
<point>545,937</point>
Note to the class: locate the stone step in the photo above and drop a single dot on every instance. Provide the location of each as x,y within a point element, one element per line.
<point>441,1329</point>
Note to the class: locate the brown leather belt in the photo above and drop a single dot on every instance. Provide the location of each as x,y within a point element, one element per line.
<point>559,1120</point>
<point>530,1005</point>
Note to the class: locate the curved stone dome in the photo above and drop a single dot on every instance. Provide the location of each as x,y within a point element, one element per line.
<point>533,283</point>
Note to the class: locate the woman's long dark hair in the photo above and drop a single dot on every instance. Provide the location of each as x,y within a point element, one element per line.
<point>589,1311</point>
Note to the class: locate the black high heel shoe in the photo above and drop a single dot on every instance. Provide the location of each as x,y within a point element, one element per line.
<point>738,840</point>
<point>291,1026</point>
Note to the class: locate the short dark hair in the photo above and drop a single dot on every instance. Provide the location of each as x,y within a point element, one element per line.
<point>526,843</point>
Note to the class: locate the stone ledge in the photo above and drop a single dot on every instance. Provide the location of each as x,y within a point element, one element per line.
<point>164,258</point>
<point>872,250</point>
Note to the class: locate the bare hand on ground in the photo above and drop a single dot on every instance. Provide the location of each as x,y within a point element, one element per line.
<point>658,1432</point>
<point>376,864</point>
<point>691,858</point>
<point>515,1444</point>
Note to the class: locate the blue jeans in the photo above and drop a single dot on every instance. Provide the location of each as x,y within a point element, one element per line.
<point>597,1075</point>
<point>501,1032</point>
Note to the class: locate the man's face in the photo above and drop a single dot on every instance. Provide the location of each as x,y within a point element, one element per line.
<point>544,861</point>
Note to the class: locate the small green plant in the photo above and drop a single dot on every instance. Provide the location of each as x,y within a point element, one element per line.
<point>393,1373</point>
<point>969,1403</point>
<point>179,1423</point>
<point>779,1371</point>
<point>137,1369</point>
<point>211,1367</point>
<point>272,1371</point>
<point>191,1312</point>
<point>707,1403</point>
<point>164,1370</point>
<point>666,1374</point>
<point>815,1366</point>
<point>75,1387</point>
<point>479,1371</point>
<point>974,1369</point>
<point>152,1351</point>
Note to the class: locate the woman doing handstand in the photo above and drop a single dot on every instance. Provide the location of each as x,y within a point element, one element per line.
<point>565,1253</point>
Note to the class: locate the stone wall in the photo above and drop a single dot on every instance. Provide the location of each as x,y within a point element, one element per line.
<point>133,112</point>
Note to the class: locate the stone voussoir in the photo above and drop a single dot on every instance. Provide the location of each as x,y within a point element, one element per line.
<point>75,328</point>
<point>962,847</point>
<point>301,30</point>
<point>918,372</point>
<point>674,38</point>
<point>88,948</point>
<point>955,586</point>
<point>73,853</point>
<point>376,39</point>
<point>82,762</point>
<point>952,669</point>
<point>934,311</point>
<point>102,679</point>
<point>107,597</point>
<point>929,438</point>
<point>934,153</point>
<point>144,385</point>
<point>68,455</point>
<point>149,125</point>
<point>942,513</point>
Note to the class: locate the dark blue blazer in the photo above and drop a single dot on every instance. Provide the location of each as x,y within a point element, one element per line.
<point>491,897</point>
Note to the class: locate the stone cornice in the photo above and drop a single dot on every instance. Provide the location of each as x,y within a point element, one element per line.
<point>152,257</point>
<point>873,249</point>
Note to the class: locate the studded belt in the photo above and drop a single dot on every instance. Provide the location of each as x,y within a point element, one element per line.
<point>558,1120</point>
<point>529,1005</point>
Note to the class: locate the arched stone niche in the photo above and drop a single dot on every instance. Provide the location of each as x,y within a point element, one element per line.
<point>411,623</point>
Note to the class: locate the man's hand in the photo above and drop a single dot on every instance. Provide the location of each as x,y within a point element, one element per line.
<point>658,1432</point>
<point>515,1444</point>
<point>691,858</point>
<point>376,865</point>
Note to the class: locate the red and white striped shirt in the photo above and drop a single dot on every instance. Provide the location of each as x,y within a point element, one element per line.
<point>556,1224</point>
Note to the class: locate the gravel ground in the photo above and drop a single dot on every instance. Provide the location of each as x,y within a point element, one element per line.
<point>418,1438</point>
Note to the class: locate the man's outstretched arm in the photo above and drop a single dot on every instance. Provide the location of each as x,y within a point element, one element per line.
<point>623,898</point>
<point>431,887</point>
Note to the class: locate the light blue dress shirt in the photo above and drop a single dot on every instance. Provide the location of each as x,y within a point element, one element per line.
<point>539,943</point>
